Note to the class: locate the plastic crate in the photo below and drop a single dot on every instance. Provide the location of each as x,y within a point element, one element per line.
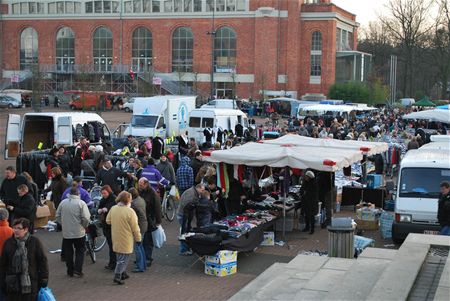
<point>361,242</point>
<point>386,221</point>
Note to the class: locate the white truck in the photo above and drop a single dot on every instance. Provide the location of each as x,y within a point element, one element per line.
<point>162,116</point>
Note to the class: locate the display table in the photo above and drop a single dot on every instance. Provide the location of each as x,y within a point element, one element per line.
<point>237,236</point>
<point>351,196</point>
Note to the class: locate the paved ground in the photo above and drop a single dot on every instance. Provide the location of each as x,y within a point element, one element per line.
<point>171,277</point>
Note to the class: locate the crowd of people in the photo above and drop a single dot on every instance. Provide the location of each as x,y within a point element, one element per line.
<point>133,182</point>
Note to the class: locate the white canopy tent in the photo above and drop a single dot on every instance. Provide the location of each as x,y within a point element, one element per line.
<point>436,115</point>
<point>365,147</point>
<point>273,155</point>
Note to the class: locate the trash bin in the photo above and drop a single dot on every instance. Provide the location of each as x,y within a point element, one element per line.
<point>340,242</point>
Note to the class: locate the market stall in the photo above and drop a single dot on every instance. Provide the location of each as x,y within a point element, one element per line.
<point>436,115</point>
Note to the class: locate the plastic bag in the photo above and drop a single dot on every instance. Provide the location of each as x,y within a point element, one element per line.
<point>45,294</point>
<point>174,192</point>
<point>159,237</point>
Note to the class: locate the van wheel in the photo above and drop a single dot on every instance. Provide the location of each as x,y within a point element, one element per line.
<point>73,108</point>
<point>127,110</point>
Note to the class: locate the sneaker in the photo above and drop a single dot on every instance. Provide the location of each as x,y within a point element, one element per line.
<point>149,263</point>
<point>110,267</point>
<point>186,253</point>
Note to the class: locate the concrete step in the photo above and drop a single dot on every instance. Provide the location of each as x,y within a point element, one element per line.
<point>359,280</point>
<point>398,278</point>
<point>378,253</point>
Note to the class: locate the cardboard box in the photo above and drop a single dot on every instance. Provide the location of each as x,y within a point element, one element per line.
<point>52,208</point>
<point>222,257</point>
<point>40,222</point>
<point>220,270</point>
<point>269,239</point>
<point>367,225</point>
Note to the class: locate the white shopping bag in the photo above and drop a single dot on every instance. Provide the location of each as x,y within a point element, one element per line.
<point>159,237</point>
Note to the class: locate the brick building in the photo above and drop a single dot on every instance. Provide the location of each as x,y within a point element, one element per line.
<point>253,45</point>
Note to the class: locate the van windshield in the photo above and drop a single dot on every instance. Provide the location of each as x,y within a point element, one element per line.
<point>144,121</point>
<point>422,182</point>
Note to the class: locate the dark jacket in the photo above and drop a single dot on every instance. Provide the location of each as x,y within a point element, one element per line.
<point>196,164</point>
<point>37,264</point>
<point>167,171</point>
<point>107,203</point>
<point>8,190</point>
<point>444,210</point>
<point>138,205</point>
<point>34,191</point>
<point>57,187</point>
<point>310,197</point>
<point>152,208</point>
<point>109,177</point>
<point>24,207</point>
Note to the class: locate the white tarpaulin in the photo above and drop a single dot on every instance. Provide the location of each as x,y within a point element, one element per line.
<point>366,147</point>
<point>430,115</point>
<point>302,157</point>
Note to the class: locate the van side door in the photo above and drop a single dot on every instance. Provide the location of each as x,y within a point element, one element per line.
<point>63,134</point>
<point>13,136</point>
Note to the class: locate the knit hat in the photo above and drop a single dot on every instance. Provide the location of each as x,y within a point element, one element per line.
<point>310,174</point>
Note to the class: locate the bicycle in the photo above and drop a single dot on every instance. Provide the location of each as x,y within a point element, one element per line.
<point>95,241</point>
<point>94,238</point>
<point>168,206</point>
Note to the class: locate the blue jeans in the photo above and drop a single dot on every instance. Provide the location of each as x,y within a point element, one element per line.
<point>141,264</point>
<point>183,224</point>
<point>445,231</point>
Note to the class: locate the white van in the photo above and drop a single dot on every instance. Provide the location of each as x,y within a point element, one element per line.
<point>52,128</point>
<point>417,195</point>
<point>226,119</point>
<point>221,104</point>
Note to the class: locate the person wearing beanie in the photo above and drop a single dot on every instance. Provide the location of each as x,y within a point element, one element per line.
<point>310,200</point>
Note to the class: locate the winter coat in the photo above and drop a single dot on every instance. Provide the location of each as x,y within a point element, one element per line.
<point>138,205</point>
<point>73,214</point>
<point>167,171</point>
<point>37,264</point>
<point>107,203</point>
<point>124,228</point>
<point>310,197</point>
<point>196,164</point>
<point>152,208</point>
<point>8,190</point>
<point>57,187</point>
<point>444,210</point>
<point>109,177</point>
<point>24,207</point>
<point>5,233</point>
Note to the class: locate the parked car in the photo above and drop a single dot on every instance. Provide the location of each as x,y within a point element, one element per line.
<point>128,106</point>
<point>9,102</point>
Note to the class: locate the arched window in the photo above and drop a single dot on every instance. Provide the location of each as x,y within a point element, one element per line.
<point>225,50</point>
<point>182,49</point>
<point>65,49</point>
<point>316,54</point>
<point>103,49</point>
<point>28,48</point>
<point>142,49</point>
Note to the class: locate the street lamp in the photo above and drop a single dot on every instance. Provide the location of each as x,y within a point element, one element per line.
<point>212,33</point>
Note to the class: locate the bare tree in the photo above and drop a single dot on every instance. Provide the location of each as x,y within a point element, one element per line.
<point>408,22</point>
<point>441,47</point>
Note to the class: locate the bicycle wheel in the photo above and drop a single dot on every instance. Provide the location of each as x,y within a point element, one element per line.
<point>90,249</point>
<point>99,243</point>
<point>170,209</point>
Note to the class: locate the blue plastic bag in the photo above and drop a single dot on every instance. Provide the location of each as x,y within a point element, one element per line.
<point>45,294</point>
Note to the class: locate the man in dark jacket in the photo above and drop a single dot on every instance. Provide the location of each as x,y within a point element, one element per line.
<point>21,249</point>
<point>310,200</point>
<point>8,190</point>
<point>166,169</point>
<point>24,207</point>
<point>154,215</point>
<point>108,176</point>
<point>197,162</point>
<point>444,208</point>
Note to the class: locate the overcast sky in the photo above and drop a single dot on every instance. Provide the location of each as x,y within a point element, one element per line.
<point>365,10</point>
